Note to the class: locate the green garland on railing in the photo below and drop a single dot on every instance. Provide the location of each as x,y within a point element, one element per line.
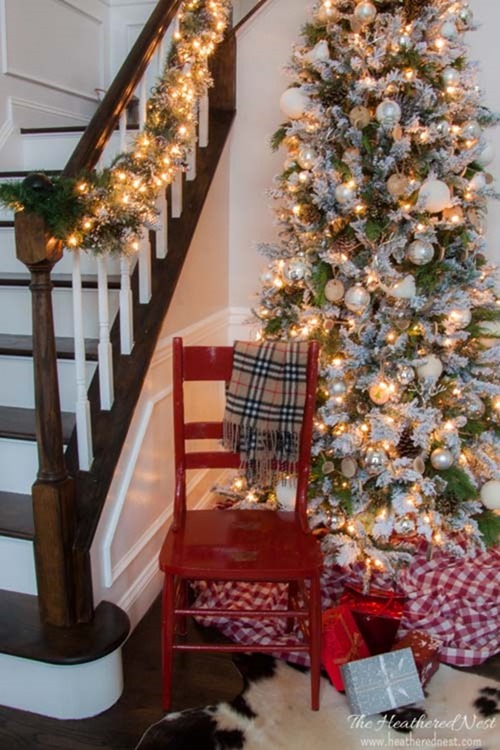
<point>106,210</point>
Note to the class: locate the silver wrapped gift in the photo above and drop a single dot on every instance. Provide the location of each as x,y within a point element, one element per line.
<point>382,682</point>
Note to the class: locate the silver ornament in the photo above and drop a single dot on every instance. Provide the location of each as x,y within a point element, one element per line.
<point>460,317</point>
<point>336,520</point>
<point>348,467</point>
<point>365,12</point>
<point>267,277</point>
<point>404,41</point>
<point>441,459</point>
<point>420,252</point>
<point>448,30</point>
<point>402,319</point>
<point>466,15</point>
<point>474,407</point>
<point>306,157</point>
<point>375,460</point>
<point>388,113</point>
<point>295,270</point>
<point>344,193</point>
<point>337,388</point>
<point>450,77</point>
<point>405,526</point>
<point>443,128</point>
<point>357,298</point>
<point>471,130</point>
<point>405,375</point>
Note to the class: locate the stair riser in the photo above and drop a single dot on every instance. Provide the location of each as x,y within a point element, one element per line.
<point>16,382</point>
<point>19,299</point>
<point>52,151</point>
<point>10,264</point>
<point>18,465</point>
<point>17,566</point>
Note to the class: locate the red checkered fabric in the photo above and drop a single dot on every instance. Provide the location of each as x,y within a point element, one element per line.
<point>455,601</point>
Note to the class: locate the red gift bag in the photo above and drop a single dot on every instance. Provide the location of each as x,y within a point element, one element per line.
<point>341,642</point>
<point>377,615</point>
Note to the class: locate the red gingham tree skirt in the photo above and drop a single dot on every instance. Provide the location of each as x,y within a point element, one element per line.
<point>455,600</point>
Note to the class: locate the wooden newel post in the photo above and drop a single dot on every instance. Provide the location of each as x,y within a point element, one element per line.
<point>53,491</point>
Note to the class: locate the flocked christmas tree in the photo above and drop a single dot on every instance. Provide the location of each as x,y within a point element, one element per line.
<point>381,210</point>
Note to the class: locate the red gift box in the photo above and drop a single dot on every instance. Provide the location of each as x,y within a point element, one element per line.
<point>377,616</point>
<point>341,642</point>
<point>425,652</point>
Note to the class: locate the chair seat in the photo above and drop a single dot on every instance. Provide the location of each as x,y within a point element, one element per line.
<point>241,545</point>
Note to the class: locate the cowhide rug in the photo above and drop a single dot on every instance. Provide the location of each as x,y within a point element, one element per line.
<point>272,713</point>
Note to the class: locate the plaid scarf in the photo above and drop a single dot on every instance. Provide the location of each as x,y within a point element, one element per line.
<point>264,407</point>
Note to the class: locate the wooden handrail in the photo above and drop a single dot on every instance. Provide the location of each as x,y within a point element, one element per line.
<point>105,120</point>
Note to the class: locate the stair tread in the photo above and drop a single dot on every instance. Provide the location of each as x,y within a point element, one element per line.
<point>60,280</point>
<point>22,346</point>
<point>64,129</point>
<point>19,424</point>
<point>16,516</point>
<point>22,633</point>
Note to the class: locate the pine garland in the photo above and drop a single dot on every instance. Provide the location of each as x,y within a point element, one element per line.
<point>105,211</point>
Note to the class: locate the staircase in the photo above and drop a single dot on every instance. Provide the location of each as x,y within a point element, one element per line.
<point>62,655</point>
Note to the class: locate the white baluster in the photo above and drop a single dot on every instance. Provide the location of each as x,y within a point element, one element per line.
<point>191,163</point>
<point>203,121</point>
<point>162,231</point>
<point>126,310</point>
<point>123,131</point>
<point>83,426</point>
<point>104,349</point>
<point>143,102</point>
<point>176,196</point>
<point>160,59</point>
<point>144,268</point>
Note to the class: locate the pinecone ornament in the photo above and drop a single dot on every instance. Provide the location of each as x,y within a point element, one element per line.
<point>344,244</point>
<point>406,447</point>
<point>446,505</point>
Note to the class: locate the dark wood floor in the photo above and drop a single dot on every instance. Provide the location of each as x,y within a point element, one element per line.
<point>199,679</point>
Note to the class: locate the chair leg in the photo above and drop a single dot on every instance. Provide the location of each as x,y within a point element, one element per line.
<point>293,590</point>
<point>181,620</point>
<point>167,631</point>
<point>315,640</point>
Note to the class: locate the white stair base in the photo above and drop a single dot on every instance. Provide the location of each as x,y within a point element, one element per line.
<point>17,566</point>
<point>62,692</point>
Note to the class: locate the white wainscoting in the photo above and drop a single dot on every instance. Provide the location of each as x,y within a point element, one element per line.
<point>139,504</point>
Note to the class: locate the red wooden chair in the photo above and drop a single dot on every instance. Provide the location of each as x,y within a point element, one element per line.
<point>233,544</point>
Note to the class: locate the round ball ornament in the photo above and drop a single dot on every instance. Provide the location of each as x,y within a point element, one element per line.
<point>38,181</point>
<point>306,157</point>
<point>267,277</point>
<point>334,290</point>
<point>294,103</point>
<point>388,113</point>
<point>402,319</point>
<point>490,494</point>
<point>365,12</point>
<point>337,388</point>
<point>360,117</point>
<point>375,461</point>
<point>420,252</point>
<point>404,289</point>
<point>336,521</point>
<point>398,185</point>
<point>357,298</point>
<point>443,128</point>
<point>379,392</point>
<point>486,155</point>
<point>450,77</point>
<point>348,467</point>
<point>327,14</point>
<point>473,406</point>
<point>431,367</point>
<point>471,130</point>
<point>448,30</point>
<point>434,196</point>
<point>319,53</point>
<point>442,459</point>
<point>344,193</point>
<point>295,270</point>
<point>405,375</point>
<point>460,317</point>
<point>404,41</point>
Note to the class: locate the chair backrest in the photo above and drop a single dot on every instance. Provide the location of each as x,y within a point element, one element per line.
<point>215,363</point>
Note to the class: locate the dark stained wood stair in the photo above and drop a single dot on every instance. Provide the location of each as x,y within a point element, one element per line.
<point>16,516</point>
<point>19,345</point>
<point>19,424</point>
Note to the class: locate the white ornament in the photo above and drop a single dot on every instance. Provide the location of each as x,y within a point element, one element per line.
<point>337,388</point>
<point>334,290</point>
<point>448,30</point>
<point>478,182</point>
<point>267,276</point>
<point>388,113</point>
<point>404,289</point>
<point>435,196</point>
<point>490,494</point>
<point>306,157</point>
<point>348,467</point>
<point>375,460</point>
<point>493,327</point>
<point>486,155</point>
<point>365,12</point>
<point>443,128</point>
<point>460,317</point>
<point>357,298</point>
<point>344,193</point>
<point>420,252</point>
<point>431,367</point>
<point>471,130</point>
<point>319,53</point>
<point>442,459</point>
<point>285,494</point>
<point>295,270</point>
<point>450,77</point>
<point>294,103</point>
